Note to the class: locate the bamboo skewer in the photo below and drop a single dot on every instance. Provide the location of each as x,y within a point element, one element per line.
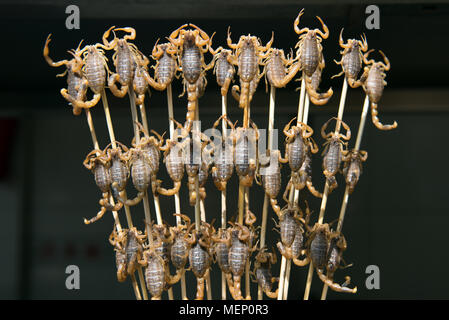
<point>223,192</point>
<point>346,195</point>
<point>176,196</point>
<point>341,108</point>
<point>123,193</point>
<point>282,272</point>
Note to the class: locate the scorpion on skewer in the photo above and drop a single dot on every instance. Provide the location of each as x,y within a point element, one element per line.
<point>166,66</point>
<point>99,164</point>
<point>223,166</point>
<point>77,84</point>
<point>200,255</point>
<point>333,152</point>
<point>124,59</point>
<point>262,272</point>
<point>224,69</point>
<point>128,246</point>
<point>324,249</point>
<point>310,54</point>
<point>245,154</point>
<point>373,84</point>
<point>191,45</point>
<point>353,167</point>
<point>280,70</point>
<point>248,55</point>
<point>271,177</point>
<point>351,61</point>
<point>299,145</point>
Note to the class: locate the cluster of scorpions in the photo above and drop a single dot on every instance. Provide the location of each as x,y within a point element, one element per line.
<point>183,55</point>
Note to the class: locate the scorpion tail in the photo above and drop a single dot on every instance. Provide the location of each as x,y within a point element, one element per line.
<point>377,122</point>
<point>244,95</point>
<point>192,102</point>
<point>313,191</point>
<point>335,286</point>
<point>318,99</point>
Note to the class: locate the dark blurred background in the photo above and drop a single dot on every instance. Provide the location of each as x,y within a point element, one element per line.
<point>396,218</point>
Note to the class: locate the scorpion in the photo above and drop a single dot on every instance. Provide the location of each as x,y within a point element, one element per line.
<point>157,274</point>
<point>310,53</point>
<point>181,242</point>
<point>166,66</point>
<point>292,233</point>
<point>280,70</point>
<point>191,45</point>
<point>262,272</point>
<point>77,83</point>
<point>200,256</point>
<point>373,84</point>
<point>252,88</point>
<point>140,84</point>
<point>173,159</point>
<point>128,245</point>
<point>271,178</point>
<point>221,250</point>
<point>245,156</point>
<point>324,249</point>
<point>333,152</point>
<point>194,161</point>
<point>97,162</point>
<point>351,61</point>
<point>248,55</point>
<point>224,69</point>
<point>353,167</point>
<point>124,60</point>
<point>95,67</point>
<point>299,145</point>
<point>223,157</point>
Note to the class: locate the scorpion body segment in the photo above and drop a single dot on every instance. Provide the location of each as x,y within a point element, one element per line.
<point>166,66</point>
<point>95,67</point>
<point>155,275</point>
<point>280,70</point>
<point>133,249</point>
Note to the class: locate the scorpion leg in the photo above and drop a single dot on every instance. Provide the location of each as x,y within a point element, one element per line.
<point>376,120</point>
<point>131,31</point>
<point>229,41</point>
<point>108,44</point>
<point>341,42</point>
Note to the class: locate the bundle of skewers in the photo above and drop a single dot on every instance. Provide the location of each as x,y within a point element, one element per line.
<point>160,253</point>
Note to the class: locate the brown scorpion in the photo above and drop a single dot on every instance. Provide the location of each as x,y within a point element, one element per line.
<point>262,272</point>
<point>124,60</point>
<point>324,249</point>
<point>280,70</point>
<point>98,163</point>
<point>248,55</point>
<point>351,60</point>
<point>191,45</point>
<point>333,152</point>
<point>373,84</point>
<point>310,54</point>
<point>77,84</point>
<point>224,69</point>
<point>299,145</point>
<point>166,66</point>
<point>352,168</point>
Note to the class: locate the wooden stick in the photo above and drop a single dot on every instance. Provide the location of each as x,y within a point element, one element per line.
<point>123,194</point>
<point>224,104</point>
<point>114,213</point>
<point>287,279</point>
<point>176,197</point>
<point>293,191</point>
<point>341,109</point>
<point>346,195</point>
